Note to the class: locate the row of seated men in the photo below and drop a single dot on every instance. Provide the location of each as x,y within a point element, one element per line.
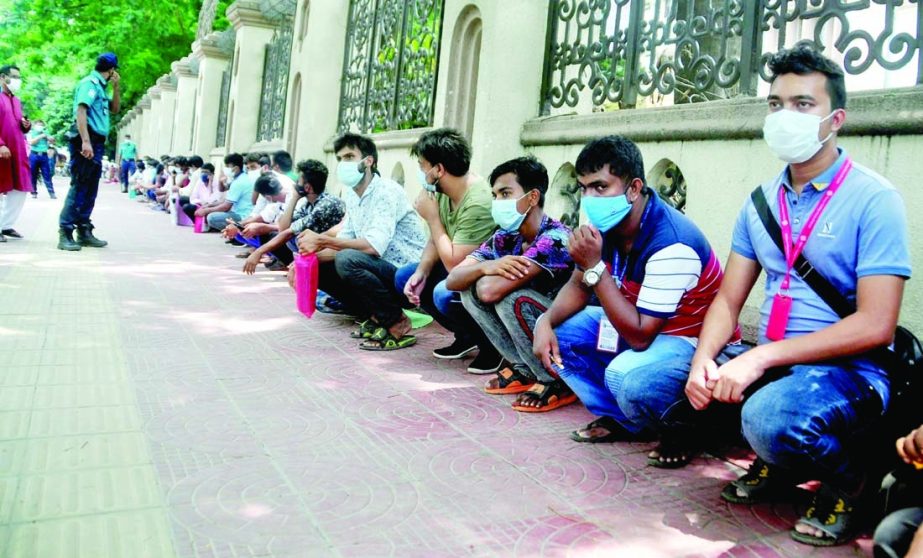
<point>631,314</point>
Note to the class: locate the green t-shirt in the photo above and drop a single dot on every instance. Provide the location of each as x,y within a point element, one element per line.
<point>128,151</point>
<point>471,221</point>
<point>41,145</point>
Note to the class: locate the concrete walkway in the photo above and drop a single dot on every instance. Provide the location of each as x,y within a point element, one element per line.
<point>156,402</point>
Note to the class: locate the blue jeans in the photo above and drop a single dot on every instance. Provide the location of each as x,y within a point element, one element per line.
<point>219,219</point>
<point>39,162</point>
<point>896,531</point>
<point>599,378</point>
<point>128,168</point>
<point>81,198</point>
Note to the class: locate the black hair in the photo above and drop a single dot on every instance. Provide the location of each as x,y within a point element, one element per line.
<point>141,165</point>
<point>181,162</point>
<point>267,185</point>
<point>364,144</point>
<point>803,59</point>
<point>196,161</point>
<point>283,160</point>
<point>234,160</point>
<point>447,147</point>
<point>5,70</point>
<point>209,167</point>
<point>264,161</point>
<point>314,173</point>
<point>530,173</point>
<point>620,153</point>
<point>253,157</point>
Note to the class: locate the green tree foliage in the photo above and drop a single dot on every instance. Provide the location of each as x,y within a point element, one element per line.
<point>56,42</point>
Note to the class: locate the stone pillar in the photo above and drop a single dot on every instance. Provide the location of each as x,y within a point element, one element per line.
<point>185,107</point>
<point>253,34</point>
<point>152,127</point>
<point>213,61</point>
<point>140,132</point>
<point>167,108</point>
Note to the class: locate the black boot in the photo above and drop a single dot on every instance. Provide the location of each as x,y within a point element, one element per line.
<point>66,241</point>
<point>85,237</point>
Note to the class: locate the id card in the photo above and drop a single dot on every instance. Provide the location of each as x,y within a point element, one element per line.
<point>778,317</point>
<point>608,341</point>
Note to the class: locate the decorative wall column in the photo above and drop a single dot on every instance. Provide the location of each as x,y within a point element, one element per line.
<point>152,125</point>
<point>140,131</point>
<point>184,115</point>
<point>167,86</point>
<point>253,34</point>
<point>213,60</point>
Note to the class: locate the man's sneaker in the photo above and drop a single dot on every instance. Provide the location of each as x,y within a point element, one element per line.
<point>10,233</point>
<point>487,362</point>
<point>52,196</point>
<point>457,349</point>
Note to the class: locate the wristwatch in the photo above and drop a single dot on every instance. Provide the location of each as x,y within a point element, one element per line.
<point>594,274</point>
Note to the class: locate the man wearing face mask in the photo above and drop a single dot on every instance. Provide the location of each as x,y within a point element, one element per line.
<point>39,163</point>
<point>808,388</point>
<point>511,280</point>
<point>380,233</point>
<point>654,275</point>
<point>237,203</point>
<point>456,207</point>
<point>15,177</point>
<point>92,107</point>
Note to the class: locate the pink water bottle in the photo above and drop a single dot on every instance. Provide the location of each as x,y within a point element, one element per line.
<point>199,224</point>
<point>306,269</point>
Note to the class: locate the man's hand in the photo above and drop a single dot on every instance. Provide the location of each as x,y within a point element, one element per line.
<point>731,379</point>
<point>310,242</point>
<point>255,229</point>
<point>5,152</point>
<point>201,212</point>
<point>427,206</point>
<point>508,267</point>
<point>545,346</point>
<point>910,447</point>
<point>251,262</point>
<point>86,149</point>
<point>414,287</point>
<point>115,78</point>
<point>290,275</point>
<point>25,124</point>
<point>585,246</point>
<point>230,231</point>
<point>697,390</point>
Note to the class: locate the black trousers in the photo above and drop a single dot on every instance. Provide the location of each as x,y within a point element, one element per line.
<point>365,284</point>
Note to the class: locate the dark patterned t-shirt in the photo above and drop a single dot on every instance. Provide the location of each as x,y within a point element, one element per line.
<point>548,250</point>
<point>326,212</point>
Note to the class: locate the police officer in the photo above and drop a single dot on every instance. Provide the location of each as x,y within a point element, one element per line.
<point>92,106</point>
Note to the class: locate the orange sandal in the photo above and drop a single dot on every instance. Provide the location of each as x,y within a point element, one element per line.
<point>549,396</point>
<point>508,381</point>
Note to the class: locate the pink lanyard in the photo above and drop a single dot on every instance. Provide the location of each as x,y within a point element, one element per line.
<point>792,254</point>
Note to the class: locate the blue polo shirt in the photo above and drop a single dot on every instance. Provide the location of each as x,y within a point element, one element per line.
<point>91,91</point>
<point>862,232</point>
<point>240,194</point>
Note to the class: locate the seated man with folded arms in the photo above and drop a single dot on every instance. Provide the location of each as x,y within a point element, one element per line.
<point>809,390</point>
<point>650,270</point>
<point>237,202</point>
<point>380,233</point>
<point>455,204</point>
<point>311,208</point>
<point>513,277</point>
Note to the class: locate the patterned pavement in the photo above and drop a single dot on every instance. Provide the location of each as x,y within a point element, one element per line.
<point>156,402</point>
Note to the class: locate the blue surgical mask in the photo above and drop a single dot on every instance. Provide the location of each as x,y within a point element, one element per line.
<point>349,174</point>
<point>506,216</point>
<point>421,176</point>
<point>605,213</point>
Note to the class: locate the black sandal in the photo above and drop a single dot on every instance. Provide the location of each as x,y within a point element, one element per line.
<point>673,453</point>
<point>616,432</point>
<point>760,484</point>
<point>549,396</point>
<point>834,514</point>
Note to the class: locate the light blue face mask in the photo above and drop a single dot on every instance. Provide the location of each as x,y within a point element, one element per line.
<point>605,213</point>
<point>506,216</point>
<point>421,176</point>
<point>348,173</point>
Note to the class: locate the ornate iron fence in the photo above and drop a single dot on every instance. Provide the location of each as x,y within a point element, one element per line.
<point>222,131</point>
<point>619,51</point>
<point>276,64</point>
<point>390,64</point>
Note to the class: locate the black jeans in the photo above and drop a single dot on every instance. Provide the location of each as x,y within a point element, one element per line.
<point>283,253</point>
<point>370,282</point>
<point>85,175</point>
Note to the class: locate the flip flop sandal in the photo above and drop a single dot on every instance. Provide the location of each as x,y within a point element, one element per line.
<point>758,485</point>
<point>831,513</point>
<point>552,396</point>
<point>509,381</point>
<point>382,340</point>
<point>365,331</point>
<point>672,454</point>
<point>617,432</point>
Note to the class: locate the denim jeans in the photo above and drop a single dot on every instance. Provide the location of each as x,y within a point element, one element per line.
<point>444,305</point>
<point>81,198</point>
<point>39,163</point>
<point>896,531</point>
<point>128,168</point>
<point>219,219</point>
<point>370,279</point>
<point>510,324</point>
<point>597,377</point>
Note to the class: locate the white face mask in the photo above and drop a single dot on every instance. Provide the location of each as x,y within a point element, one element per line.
<point>794,136</point>
<point>15,84</point>
<point>39,128</point>
<point>229,172</point>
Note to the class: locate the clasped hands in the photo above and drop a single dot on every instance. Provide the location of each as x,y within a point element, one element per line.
<point>726,383</point>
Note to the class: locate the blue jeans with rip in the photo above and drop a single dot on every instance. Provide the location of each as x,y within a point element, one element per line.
<point>598,377</point>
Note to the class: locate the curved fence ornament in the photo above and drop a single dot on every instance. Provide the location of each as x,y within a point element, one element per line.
<point>390,65</point>
<point>670,184</point>
<point>276,64</point>
<point>617,54</point>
